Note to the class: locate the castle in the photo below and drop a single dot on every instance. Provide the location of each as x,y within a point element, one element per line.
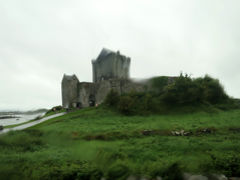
<point>110,71</point>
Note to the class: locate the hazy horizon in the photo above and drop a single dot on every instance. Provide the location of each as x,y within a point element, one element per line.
<point>42,40</point>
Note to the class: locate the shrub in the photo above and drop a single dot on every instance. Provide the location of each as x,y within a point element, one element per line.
<point>228,165</point>
<point>55,109</point>
<point>187,91</point>
<point>213,91</point>
<point>28,140</point>
<point>118,171</point>
<point>183,91</point>
<point>137,103</point>
<point>112,98</point>
<point>126,105</point>
<point>158,83</point>
<point>173,172</point>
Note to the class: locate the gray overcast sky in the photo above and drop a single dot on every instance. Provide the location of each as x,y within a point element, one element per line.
<point>40,40</point>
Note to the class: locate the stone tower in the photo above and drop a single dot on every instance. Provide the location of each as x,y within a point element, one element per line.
<point>110,65</point>
<point>70,91</point>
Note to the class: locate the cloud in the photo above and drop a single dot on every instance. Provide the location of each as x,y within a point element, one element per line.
<point>42,40</point>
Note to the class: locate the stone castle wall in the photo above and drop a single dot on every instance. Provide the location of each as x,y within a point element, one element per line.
<point>98,91</point>
<point>110,71</point>
<point>85,93</point>
<point>69,90</point>
<point>110,65</point>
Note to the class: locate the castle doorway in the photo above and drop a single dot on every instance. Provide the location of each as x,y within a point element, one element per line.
<point>92,100</point>
<point>79,105</point>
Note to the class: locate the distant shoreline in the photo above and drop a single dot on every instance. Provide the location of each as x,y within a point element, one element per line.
<point>13,113</point>
<point>9,117</point>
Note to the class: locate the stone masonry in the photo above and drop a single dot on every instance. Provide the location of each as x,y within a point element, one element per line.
<point>110,71</point>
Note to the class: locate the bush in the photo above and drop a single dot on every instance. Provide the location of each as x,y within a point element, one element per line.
<point>213,91</point>
<point>158,83</point>
<point>118,171</point>
<point>136,103</point>
<point>182,91</point>
<point>126,105</point>
<point>112,98</point>
<point>173,172</point>
<point>23,141</point>
<point>55,109</point>
<point>188,91</point>
<point>228,165</point>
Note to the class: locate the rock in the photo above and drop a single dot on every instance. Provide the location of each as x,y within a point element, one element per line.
<point>207,131</point>
<point>177,133</point>
<point>198,177</point>
<point>132,178</point>
<point>187,133</point>
<point>158,178</point>
<point>182,132</point>
<point>143,178</point>
<point>218,177</point>
<point>137,178</point>
<point>186,176</point>
<point>1,128</point>
<point>146,132</point>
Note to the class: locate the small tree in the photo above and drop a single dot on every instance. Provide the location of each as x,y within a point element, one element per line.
<point>112,99</point>
<point>158,83</point>
<point>127,105</point>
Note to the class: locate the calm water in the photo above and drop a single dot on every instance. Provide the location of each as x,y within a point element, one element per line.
<point>24,126</point>
<point>20,118</point>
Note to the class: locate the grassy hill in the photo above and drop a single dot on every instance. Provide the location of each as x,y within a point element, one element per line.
<point>97,142</point>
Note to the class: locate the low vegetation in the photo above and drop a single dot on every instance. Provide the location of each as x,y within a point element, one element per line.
<point>97,142</point>
<point>181,94</point>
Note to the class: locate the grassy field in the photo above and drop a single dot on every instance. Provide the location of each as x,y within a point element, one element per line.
<point>97,142</point>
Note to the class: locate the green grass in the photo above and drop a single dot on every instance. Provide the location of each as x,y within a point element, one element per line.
<point>95,142</point>
<point>50,112</point>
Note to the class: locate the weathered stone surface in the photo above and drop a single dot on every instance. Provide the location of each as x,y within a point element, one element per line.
<point>110,65</point>
<point>69,90</point>
<point>86,94</point>
<point>186,176</point>
<point>181,133</point>
<point>110,71</point>
<point>132,178</point>
<point>143,178</point>
<point>217,177</point>
<point>197,177</point>
<point>138,178</point>
<point>159,178</point>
